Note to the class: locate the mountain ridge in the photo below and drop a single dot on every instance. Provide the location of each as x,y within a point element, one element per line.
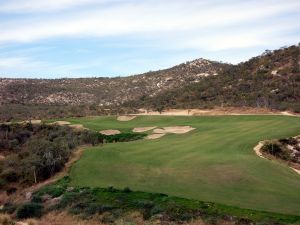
<point>270,80</point>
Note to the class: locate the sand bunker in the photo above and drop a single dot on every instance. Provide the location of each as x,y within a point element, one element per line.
<point>77,127</point>
<point>160,132</point>
<point>154,136</point>
<point>109,132</point>
<point>125,118</point>
<point>142,129</point>
<point>257,149</point>
<point>174,130</point>
<point>61,123</point>
<point>34,122</point>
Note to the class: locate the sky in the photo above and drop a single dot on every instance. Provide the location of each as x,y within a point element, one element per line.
<point>87,38</point>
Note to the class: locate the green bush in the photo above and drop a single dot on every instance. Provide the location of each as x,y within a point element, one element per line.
<point>29,210</point>
<point>53,190</point>
<point>2,183</point>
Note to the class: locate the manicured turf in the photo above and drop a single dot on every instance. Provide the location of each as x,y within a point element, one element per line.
<point>216,162</point>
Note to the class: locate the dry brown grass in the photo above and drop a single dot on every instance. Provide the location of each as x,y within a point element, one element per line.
<point>63,218</point>
<point>6,220</point>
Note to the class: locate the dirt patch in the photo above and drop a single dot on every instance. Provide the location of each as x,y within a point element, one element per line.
<point>286,113</point>
<point>174,130</point>
<point>142,129</point>
<point>215,112</point>
<point>2,157</point>
<point>125,118</point>
<point>154,136</point>
<point>109,132</point>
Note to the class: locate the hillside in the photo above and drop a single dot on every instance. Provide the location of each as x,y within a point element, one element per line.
<point>104,91</point>
<point>94,96</point>
<point>271,80</point>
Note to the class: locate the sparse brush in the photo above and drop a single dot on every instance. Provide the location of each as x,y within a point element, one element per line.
<point>6,220</point>
<point>31,222</point>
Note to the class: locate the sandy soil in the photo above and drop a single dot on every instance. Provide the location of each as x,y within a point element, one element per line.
<point>125,118</point>
<point>257,149</point>
<point>215,111</point>
<point>61,123</point>
<point>142,129</point>
<point>109,132</point>
<point>36,121</point>
<point>77,126</point>
<point>154,136</point>
<point>174,130</point>
<point>258,152</point>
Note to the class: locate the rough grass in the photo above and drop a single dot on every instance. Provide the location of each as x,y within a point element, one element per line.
<point>215,162</point>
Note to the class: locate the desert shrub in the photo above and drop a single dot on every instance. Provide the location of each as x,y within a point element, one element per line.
<point>36,199</point>
<point>123,137</point>
<point>6,220</point>
<point>289,141</point>
<point>92,209</point>
<point>111,189</point>
<point>11,190</point>
<point>276,149</point>
<point>108,218</point>
<point>156,210</point>
<point>52,190</point>
<point>127,190</point>
<point>2,183</point>
<point>9,175</point>
<point>144,204</point>
<point>91,137</point>
<point>29,210</point>
<point>8,208</point>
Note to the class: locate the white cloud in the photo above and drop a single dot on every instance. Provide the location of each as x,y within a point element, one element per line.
<point>201,25</point>
<point>29,6</point>
<point>143,18</point>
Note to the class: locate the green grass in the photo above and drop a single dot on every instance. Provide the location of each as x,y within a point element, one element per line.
<point>215,163</point>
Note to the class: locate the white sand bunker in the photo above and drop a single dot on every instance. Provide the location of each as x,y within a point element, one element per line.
<point>160,132</point>
<point>154,136</point>
<point>125,118</point>
<point>109,132</point>
<point>61,123</point>
<point>142,129</point>
<point>35,121</point>
<point>77,127</point>
<point>174,130</point>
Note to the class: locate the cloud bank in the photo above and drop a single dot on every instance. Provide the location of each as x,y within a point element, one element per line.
<point>170,30</point>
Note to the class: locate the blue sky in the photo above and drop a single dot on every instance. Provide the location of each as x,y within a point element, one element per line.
<point>83,38</point>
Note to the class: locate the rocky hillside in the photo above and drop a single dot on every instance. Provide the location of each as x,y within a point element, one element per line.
<point>271,80</point>
<point>105,91</point>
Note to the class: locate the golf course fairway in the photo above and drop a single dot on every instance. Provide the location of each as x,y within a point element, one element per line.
<point>215,162</point>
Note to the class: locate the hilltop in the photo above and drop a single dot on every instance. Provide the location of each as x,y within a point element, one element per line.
<point>271,80</point>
